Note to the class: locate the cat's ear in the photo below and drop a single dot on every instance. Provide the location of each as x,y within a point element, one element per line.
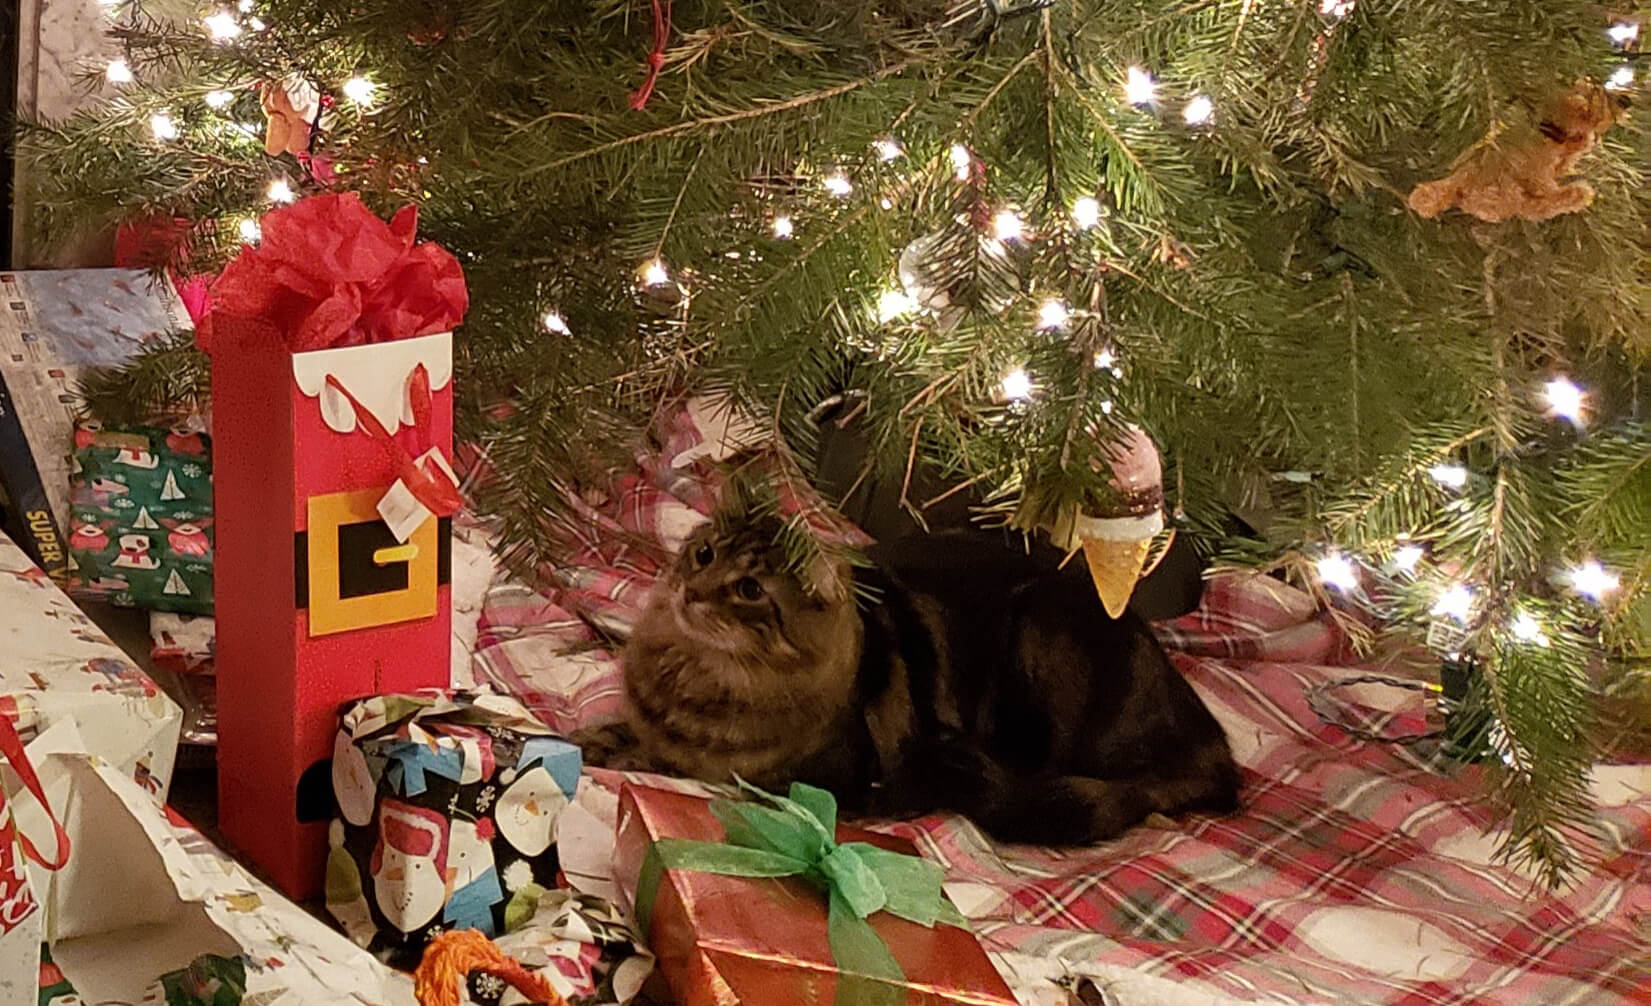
<point>829,579</point>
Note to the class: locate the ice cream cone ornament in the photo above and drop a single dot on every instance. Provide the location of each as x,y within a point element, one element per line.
<point>1117,541</point>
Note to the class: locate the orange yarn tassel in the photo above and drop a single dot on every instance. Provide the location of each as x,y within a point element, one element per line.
<point>449,959</point>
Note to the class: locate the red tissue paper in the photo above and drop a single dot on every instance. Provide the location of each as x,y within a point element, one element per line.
<point>329,273</point>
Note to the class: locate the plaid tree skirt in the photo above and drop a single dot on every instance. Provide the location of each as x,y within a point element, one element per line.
<point>1356,872</point>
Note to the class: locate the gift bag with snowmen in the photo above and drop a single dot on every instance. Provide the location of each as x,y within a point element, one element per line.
<point>447,811</point>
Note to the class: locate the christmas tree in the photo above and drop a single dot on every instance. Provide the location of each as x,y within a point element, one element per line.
<point>1328,253</point>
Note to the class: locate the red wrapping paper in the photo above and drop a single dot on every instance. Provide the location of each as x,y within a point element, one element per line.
<point>730,941</point>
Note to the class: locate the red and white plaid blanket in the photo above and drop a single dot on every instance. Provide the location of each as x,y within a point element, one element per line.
<point>1356,872</point>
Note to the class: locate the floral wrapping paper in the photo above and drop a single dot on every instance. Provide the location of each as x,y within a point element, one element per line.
<point>448,806</point>
<point>140,524</point>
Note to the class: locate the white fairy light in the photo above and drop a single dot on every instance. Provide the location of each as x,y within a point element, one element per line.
<point>245,6</point>
<point>892,304</point>
<point>222,26</point>
<point>1008,226</point>
<point>885,203</point>
<point>1592,580</point>
<point>1406,558</point>
<point>782,227</point>
<point>1339,572</point>
<point>250,231</point>
<point>962,161</point>
<point>118,72</point>
<point>1449,476</point>
<point>1139,87</point>
<point>1565,399</point>
<point>1336,9</point>
<point>163,127</point>
<point>1621,79</point>
<point>889,149</point>
<point>1527,629</point>
<point>1086,212</point>
<point>655,274</point>
<point>219,100</point>
<point>1052,314</point>
<point>1017,385</point>
<point>1106,407</point>
<point>1624,33</point>
<point>556,324</point>
<point>360,90</point>
<point>838,184</point>
<point>280,191</point>
<point>1199,111</point>
<point>1104,359</point>
<point>1456,601</point>
<point>257,24</point>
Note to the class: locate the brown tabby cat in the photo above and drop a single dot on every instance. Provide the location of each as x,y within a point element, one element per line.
<point>983,680</point>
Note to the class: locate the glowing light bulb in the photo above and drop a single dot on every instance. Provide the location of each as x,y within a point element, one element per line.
<point>1339,572</point>
<point>250,231</point>
<point>1017,385</point>
<point>1449,476</point>
<point>654,274</point>
<point>222,26</point>
<point>1624,33</point>
<point>280,191</point>
<point>892,304</point>
<point>245,6</point>
<point>1086,212</point>
<point>556,324</point>
<point>1592,580</point>
<point>782,227</point>
<point>219,100</point>
<point>1336,9</point>
<point>962,161</point>
<point>1456,601</point>
<point>885,203</point>
<point>360,90</point>
<point>1620,80</point>
<point>257,24</point>
<point>1008,226</point>
<point>1104,359</point>
<point>163,127</point>
<point>1053,314</point>
<point>1565,399</point>
<point>838,184</point>
<point>118,72</point>
<point>889,149</point>
<point>1406,558</point>
<point>1527,629</point>
<point>1199,111</point>
<point>1139,87</point>
<point>1106,407</point>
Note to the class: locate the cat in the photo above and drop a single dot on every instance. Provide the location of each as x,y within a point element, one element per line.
<point>982,679</point>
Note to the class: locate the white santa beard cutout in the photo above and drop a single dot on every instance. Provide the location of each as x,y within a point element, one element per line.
<point>352,782</point>
<point>527,813</point>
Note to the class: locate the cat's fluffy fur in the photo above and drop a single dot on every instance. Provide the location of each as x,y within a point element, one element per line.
<point>983,679</point>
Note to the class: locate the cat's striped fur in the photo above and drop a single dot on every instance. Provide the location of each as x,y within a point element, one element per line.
<point>983,680</point>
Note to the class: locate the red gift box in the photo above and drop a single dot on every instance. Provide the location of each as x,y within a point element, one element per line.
<point>723,940</point>
<point>327,383</point>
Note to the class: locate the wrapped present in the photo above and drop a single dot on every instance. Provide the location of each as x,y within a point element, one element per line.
<point>147,911</point>
<point>22,924</point>
<point>448,811</point>
<point>332,365</point>
<point>182,644</point>
<point>140,518</point>
<point>584,945</point>
<point>61,669</point>
<point>772,902</point>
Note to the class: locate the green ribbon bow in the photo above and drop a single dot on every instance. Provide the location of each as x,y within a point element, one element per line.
<point>796,837</point>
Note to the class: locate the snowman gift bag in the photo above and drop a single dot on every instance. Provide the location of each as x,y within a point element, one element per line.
<point>448,806</point>
<point>140,531</point>
<point>332,428</point>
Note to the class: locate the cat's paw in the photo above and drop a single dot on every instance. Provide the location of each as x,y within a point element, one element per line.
<point>611,745</point>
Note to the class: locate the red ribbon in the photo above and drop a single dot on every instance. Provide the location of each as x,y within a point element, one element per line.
<point>439,496</point>
<point>11,747</point>
<point>656,58</point>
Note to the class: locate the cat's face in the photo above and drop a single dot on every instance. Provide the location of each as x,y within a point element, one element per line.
<point>730,590</point>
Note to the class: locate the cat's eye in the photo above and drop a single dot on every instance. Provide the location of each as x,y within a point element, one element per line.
<point>748,589</point>
<point>703,555</point>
